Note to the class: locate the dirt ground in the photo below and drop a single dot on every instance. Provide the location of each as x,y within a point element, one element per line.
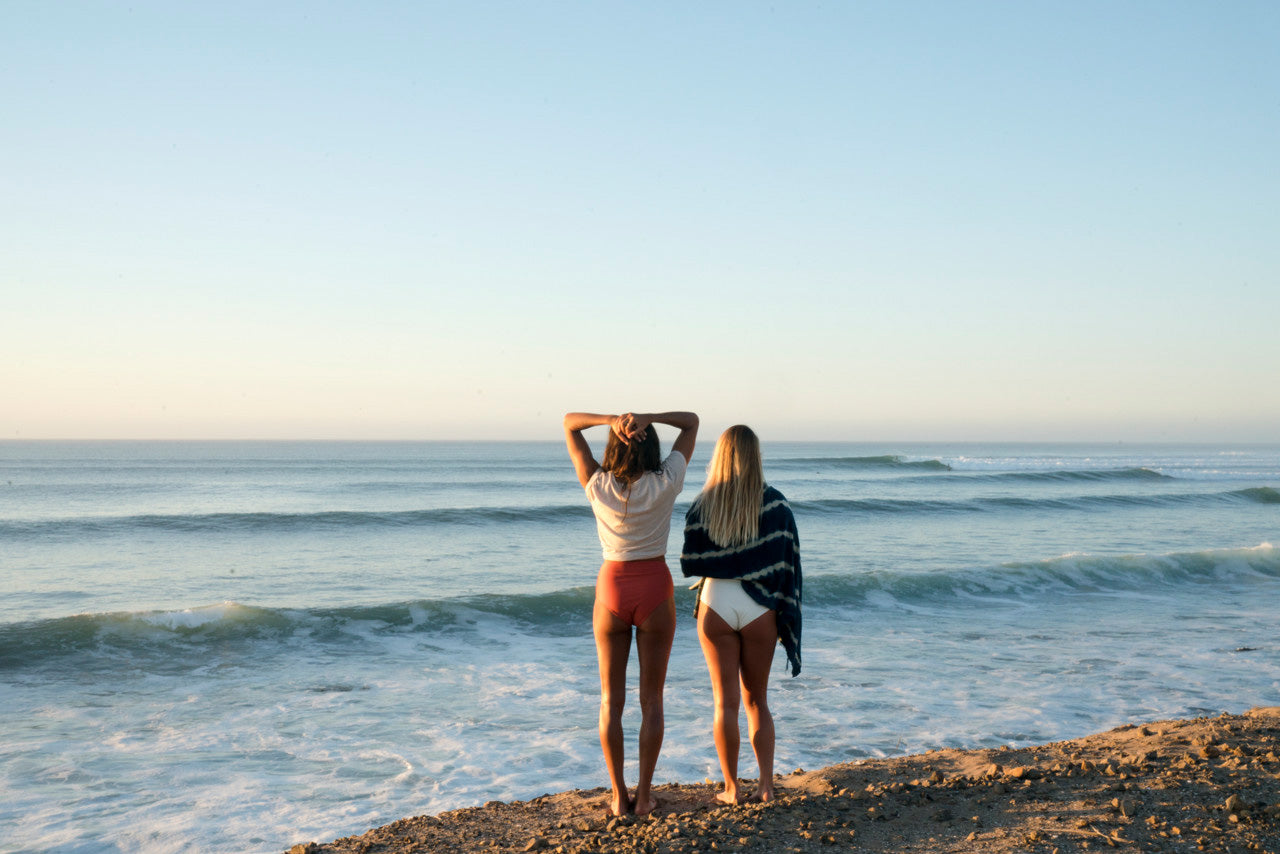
<point>1208,784</point>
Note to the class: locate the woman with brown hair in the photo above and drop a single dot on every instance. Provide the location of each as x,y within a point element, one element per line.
<point>632,492</point>
<point>741,537</point>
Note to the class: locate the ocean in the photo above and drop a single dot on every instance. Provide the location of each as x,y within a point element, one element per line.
<point>239,646</point>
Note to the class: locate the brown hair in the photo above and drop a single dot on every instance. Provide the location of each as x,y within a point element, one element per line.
<point>628,461</point>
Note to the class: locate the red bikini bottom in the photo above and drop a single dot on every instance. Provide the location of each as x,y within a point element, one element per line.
<point>632,589</point>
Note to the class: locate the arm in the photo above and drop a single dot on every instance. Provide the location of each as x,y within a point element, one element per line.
<point>685,422</point>
<point>579,451</point>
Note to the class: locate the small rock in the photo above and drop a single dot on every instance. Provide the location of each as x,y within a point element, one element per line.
<point>537,843</point>
<point>304,848</point>
<point>1124,806</point>
<point>1234,804</point>
<point>936,777</point>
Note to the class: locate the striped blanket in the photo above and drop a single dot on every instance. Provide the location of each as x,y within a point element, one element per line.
<point>768,566</point>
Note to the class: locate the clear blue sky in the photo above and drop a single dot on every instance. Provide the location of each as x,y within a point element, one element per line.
<point>921,220</point>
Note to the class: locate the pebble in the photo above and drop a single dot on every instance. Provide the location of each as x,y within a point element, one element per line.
<point>1124,806</point>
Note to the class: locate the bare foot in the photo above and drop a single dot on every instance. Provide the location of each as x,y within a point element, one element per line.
<point>728,797</point>
<point>619,806</point>
<point>647,806</point>
<point>764,794</point>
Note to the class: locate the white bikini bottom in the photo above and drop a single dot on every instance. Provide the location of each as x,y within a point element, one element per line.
<point>727,598</point>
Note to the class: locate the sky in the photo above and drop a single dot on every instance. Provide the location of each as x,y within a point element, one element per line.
<point>865,221</point>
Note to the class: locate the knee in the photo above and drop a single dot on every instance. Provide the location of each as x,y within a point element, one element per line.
<point>756,705</point>
<point>651,706</point>
<point>728,703</point>
<point>611,707</point>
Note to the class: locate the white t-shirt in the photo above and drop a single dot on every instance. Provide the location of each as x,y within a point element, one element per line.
<point>635,523</point>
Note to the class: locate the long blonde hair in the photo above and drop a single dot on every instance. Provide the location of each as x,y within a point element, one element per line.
<point>731,499</point>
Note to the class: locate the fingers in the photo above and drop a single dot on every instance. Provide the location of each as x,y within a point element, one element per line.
<point>622,427</point>
<point>629,427</point>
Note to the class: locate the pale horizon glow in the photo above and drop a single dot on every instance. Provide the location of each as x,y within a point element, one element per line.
<point>934,221</point>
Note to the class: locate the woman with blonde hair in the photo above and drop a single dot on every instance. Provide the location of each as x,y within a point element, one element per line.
<point>632,491</point>
<point>741,537</point>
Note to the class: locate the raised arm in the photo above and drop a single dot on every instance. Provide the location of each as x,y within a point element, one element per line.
<point>579,451</point>
<point>685,422</point>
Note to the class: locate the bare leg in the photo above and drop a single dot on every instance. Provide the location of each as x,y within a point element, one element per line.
<point>722,648</point>
<point>653,646</point>
<point>613,648</point>
<point>759,640</point>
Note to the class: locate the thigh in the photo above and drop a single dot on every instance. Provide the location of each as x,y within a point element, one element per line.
<point>759,640</point>
<point>613,648</point>
<point>653,645</point>
<point>722,648</point>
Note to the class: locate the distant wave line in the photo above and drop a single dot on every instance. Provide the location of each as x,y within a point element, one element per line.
<point>1136,473</point>
<point>328,519</point>
<point>890,461</point>
<point>558,513</point>
<point>1255,495</point>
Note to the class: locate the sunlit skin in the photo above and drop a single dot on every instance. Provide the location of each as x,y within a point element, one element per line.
<point>739,663</point>
<point>613,636</point>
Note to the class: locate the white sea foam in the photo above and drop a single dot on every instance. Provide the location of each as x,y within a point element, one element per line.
<point>194,618</point>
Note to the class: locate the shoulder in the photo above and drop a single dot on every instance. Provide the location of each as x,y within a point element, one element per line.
<point>675,464</point>
<point>694,514</point>
<point>599,481</point>
<point>672,470</point>
<point>774,506</point>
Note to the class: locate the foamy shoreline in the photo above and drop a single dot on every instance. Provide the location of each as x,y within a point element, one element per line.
<point>1204,784</point>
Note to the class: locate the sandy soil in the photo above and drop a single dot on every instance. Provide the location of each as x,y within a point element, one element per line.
<point>1209,784</point>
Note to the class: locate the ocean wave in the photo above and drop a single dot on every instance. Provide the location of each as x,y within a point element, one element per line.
<point>338,520</point>
<point>285,522</point>
<point>894,462</point>
<point>1033,583</point>
<point>191,639</point>
<point>1068,475</point>
<point>234,634</point>
<point>884,461</point>
<point>1255,495</point>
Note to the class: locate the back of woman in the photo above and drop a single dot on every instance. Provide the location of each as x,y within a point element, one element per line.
<point>740,537</point>
<point>632,492</point>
